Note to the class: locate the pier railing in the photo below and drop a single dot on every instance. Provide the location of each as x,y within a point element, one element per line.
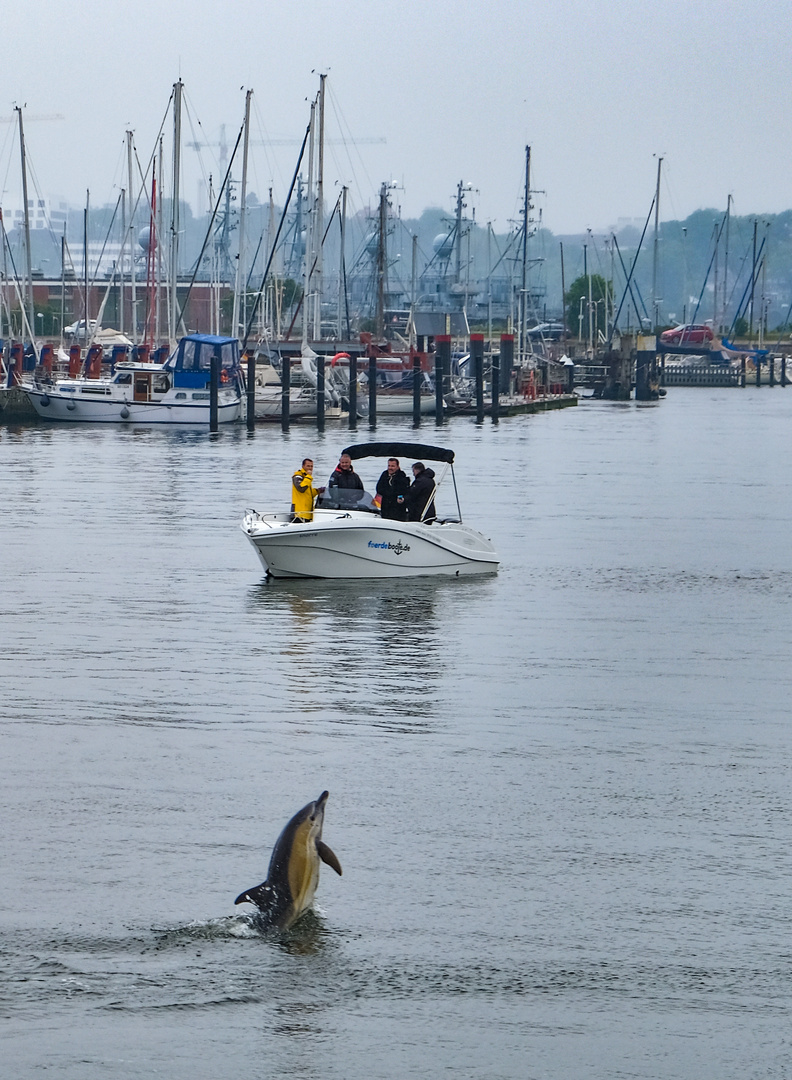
<point>699,375</point>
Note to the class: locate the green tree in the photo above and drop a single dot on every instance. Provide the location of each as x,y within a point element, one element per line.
<point>46,321</point>
<point>579,290</point>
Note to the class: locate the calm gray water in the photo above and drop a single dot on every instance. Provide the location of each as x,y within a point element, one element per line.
<point>560,796</point>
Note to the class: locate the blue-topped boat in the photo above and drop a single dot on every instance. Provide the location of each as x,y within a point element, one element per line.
<point>175,392</point>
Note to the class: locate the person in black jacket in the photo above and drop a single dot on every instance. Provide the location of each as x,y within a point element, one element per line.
<point>344,488</point>
<point>420,494</point>
<point>392,488</point>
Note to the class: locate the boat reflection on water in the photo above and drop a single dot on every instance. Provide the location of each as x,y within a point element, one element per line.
<point>359,649</point>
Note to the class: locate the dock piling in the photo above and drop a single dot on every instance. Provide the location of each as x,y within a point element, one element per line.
<point>320,393</point>
<point>372,389</point>
<point>214,384</point>
<point>353,389</point>
<point>505,363</point>
<point>251,392</point>
<point>477,355</point>
<point>495,403</point>
<point>285,392</point>
<point>417,375</point>
<point>442,371</point>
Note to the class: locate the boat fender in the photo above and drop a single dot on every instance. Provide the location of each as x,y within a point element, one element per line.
<point>70,406</point>
<point>45,400</point>
<point>125,413</point>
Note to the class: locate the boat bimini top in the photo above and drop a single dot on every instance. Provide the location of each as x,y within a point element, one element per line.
<point>400,450</point>
<point>416,451</point>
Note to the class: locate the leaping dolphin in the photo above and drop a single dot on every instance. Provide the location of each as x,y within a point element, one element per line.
<point>294,868</point>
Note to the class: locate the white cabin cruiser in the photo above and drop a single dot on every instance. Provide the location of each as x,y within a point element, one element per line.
<point>176,392</point>
<point>348,538</point>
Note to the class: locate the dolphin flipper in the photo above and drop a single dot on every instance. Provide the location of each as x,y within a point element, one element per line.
<point>261,896</point>
<point>328,856</point>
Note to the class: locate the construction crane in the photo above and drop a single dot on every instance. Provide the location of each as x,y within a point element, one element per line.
<point>222,143</point>
<point>43,116</point>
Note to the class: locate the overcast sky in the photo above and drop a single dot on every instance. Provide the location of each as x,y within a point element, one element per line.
<point>598,89</point>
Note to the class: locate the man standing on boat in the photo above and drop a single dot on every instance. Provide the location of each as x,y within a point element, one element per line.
<point>303,492</point>
<point>345,478</point>
<point>392,488</point>
<point>421,493</point>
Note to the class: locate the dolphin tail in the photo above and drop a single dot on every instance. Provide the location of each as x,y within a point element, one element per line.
<point>328,856</point>
<point>261,896</point>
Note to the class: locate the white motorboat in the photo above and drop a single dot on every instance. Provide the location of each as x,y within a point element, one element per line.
<point>349,539</point>
<point>176,392</point>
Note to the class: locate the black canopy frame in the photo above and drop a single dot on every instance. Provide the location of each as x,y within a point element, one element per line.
<point>400,450</point>
<point>416,451</point>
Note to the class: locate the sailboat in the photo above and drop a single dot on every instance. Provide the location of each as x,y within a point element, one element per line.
<point>177,391</point>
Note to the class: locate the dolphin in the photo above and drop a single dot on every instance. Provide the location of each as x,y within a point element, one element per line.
<point>294,868</point>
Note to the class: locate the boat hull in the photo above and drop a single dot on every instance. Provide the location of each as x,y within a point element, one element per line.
<point>359,545</point>
<point>100,405</point>
<point>402,404</point>
<point>270,407</point>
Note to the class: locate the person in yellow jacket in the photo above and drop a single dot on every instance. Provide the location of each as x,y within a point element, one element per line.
<point>303,492</point>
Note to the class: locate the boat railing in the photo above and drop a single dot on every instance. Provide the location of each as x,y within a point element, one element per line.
<point>267,519</point>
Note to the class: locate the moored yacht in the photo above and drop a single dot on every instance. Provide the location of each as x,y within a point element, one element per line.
<point>175,392</point>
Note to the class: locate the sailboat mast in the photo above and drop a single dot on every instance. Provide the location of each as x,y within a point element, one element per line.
<point>524,284</point>
<point>130,216</point>
<point>120,309</point>
<point>382,260</point>
<point>716,284</point>
<point>4,305</point>
<point>239,285</point>
<point>342,267</point>
<point>753,283</point>
<point>458,252</point>
<point>655,305</point>
<point>151,264</point>
<point>174,246</point>
<point>726,260</point>
<point>85,259</point>
<point>309,229</point>
<point>29,282</point>
<point>274,293</point>
<point>489,286</point>
<point>159,248</point>
<point>319,233</point>
<point>63,284</point>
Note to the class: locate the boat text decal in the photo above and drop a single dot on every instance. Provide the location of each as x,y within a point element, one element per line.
<point>396,548</point>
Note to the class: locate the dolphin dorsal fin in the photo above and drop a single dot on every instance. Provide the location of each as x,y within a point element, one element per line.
<point>327,855</point>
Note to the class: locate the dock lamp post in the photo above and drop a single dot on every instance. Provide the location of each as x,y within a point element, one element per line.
<point>40,315</point>
<point>580,318</point>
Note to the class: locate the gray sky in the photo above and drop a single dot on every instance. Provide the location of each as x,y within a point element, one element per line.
<point>596,88</point>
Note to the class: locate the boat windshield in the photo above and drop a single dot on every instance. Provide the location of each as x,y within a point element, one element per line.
<point>335,498</point>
